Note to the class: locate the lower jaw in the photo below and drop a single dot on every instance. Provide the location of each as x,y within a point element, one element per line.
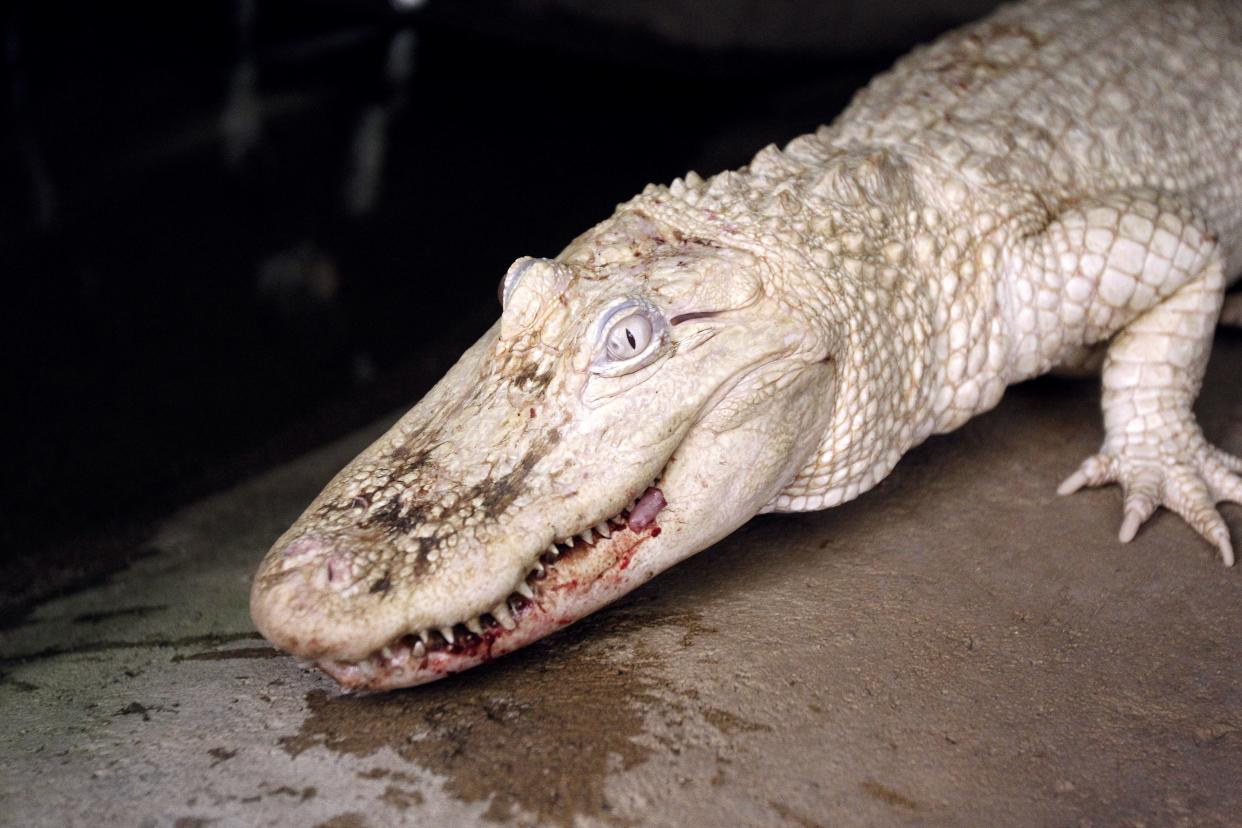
<point>584,579</point>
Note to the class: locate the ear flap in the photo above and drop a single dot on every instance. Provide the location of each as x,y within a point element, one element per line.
<point>702,280</point>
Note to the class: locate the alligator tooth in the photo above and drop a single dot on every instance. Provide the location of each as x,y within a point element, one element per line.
<point>588,537</point>
<point>395,653</point>
<point>474,625</point>
<point>501,613</point>
<point>567,543</point>
<point>537,568</point>
<point>552,550</point>
<point>524,590</point>
<point>424,636</point>
<point>447,632</point>
<point>602,529</point>
<point>419,650</point>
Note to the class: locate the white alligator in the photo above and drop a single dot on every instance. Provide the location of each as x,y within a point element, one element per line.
<point>1057,186</point>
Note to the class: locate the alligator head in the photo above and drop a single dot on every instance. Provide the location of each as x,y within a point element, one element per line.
<point>642,396</point>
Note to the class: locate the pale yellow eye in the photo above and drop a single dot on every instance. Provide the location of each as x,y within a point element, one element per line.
<point>629,337</point>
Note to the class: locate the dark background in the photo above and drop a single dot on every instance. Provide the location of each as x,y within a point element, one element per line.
<point>230,232</point>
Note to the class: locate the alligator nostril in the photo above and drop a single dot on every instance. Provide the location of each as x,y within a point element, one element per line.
<point>335,570</point>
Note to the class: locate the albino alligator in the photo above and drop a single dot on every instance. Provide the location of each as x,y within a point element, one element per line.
<point>1058,186</point>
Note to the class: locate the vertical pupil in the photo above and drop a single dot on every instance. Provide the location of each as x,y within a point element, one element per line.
<point>630,338</point>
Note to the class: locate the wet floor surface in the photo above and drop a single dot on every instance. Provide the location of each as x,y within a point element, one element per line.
<point>959,646</point>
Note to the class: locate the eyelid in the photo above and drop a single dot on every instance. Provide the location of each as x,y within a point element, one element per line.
<point>509,281</point>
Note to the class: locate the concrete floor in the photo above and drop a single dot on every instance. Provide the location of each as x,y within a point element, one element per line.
<point>958,647</point>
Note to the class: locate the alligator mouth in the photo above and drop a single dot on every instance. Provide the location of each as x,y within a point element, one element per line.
<point>578,565</point>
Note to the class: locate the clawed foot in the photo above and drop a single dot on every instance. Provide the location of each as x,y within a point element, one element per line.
<point>1187,475</point>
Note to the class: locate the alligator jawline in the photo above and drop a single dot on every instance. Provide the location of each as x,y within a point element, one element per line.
<point>474,642</point>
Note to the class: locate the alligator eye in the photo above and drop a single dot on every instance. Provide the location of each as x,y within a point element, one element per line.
<point>629,337</point>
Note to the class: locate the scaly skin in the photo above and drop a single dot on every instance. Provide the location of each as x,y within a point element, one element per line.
<point>1059,186</point>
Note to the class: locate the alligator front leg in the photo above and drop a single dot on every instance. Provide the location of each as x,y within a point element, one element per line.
<point>1160,287</point>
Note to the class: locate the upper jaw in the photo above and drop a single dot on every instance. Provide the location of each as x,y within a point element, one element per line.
<point>335,589</point>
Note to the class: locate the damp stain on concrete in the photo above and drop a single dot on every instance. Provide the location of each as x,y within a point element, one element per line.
<point>296,794</point>
<point>220,755</point>
<point>93,647</point>
<point>402,798</point>
<point>793,816</point>
<point>230,655</point>
<point>17,684</point>
<point>351,819</point>
<point>124,612</point>
<point>193,822</point>
<point>887,795</point>
<point>536,735</point>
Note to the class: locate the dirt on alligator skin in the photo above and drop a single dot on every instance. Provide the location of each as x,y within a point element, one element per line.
<point>536,734</point>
